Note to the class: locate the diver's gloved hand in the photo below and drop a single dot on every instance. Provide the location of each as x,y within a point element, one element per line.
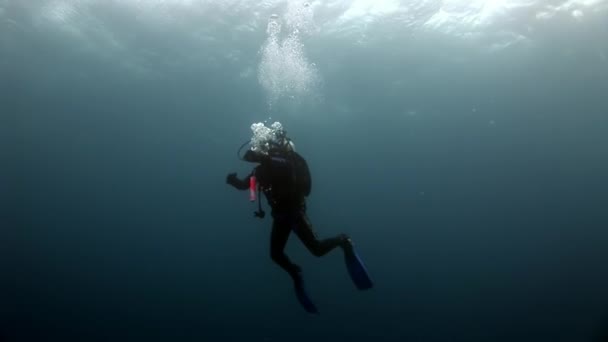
<point>232,179</point>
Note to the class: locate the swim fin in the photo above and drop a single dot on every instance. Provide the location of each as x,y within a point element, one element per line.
<point>356,269</point>
<point>303,297</point>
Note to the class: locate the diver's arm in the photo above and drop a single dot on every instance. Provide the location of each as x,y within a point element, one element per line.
<point>255,157</point>
<point>240,184</point>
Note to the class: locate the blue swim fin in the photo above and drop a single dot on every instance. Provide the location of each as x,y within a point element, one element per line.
<point>356,269</point>
<point>303,298</point>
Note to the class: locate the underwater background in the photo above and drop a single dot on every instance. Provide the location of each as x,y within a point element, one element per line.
<point>462,144</point>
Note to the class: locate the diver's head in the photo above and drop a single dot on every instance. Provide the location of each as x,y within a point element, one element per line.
<point>270,140</point>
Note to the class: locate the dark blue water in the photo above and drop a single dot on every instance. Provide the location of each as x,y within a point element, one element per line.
<point>476,195</point>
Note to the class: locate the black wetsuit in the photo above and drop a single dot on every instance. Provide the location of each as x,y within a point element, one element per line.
<point>275,176</point>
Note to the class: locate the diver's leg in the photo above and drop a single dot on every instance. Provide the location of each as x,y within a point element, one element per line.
<point>303,229</point>
<point>279,236</point>
<point>278,240</point>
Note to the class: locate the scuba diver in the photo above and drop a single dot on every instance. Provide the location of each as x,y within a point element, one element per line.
<point>284,178</point>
